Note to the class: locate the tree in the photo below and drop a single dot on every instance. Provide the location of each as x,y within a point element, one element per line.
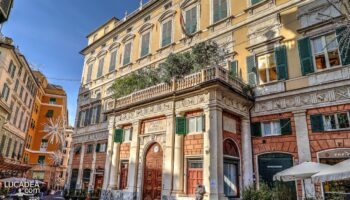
<point>175,66</point>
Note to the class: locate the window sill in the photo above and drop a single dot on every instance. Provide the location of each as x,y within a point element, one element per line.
<point>257,5</point>
<point>144,57</point>
<point>195,133</point>
<point>265,43</point>
<point>191,36</point>
<point>126,65</point>
<point>166,46</point>
<point>220,21</point>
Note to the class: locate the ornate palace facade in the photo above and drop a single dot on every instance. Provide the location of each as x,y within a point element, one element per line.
<point>161,142</point>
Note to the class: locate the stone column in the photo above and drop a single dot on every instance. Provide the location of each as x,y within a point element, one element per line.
<point>178,183</point>
<point>93,169</point>
<point>213,154</point>
<point>168,162</point>
<point>247,153</point>
<point>69,169</point>
<point>109,152</point>
<point>303,144</point>
<point>113,177</point>
<point>80,173</point>
<point>133,160</point>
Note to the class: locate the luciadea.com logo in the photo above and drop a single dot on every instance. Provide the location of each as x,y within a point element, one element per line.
<point>22,188</point>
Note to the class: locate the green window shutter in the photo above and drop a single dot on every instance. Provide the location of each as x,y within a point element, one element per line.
<point>100,67</point>
<point>49,113</point>
<point>317,123</point>
<point>98,146</point>
<point>305,55</point>
<point>223,9</point>
<point>216,13</point>
<point>344,46</point>
<point>255,1</point>
<point>255,129</point>
<point>203,123</point>
<point>286,127</point>
<point>113,61</point>
<point>145,44</point>
<point>118,135</point>
<point>88,77</point>
<point>252,71</point>
<point>181,125</point>
<point>234,68</point>
<point>281,62</point>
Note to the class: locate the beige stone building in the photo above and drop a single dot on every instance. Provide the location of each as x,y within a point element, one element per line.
<point>206,129</point>
<point>18,88</point>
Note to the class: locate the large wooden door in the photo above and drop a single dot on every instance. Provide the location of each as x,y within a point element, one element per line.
<point>152,178</point>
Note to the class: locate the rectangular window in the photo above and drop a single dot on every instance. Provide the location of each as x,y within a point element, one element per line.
<point>8,147</point>
<point>103,147</point>
<point>113,61</point>
<point>49,113</point>
<point>77,149</point>
<point>25,77</point>
<point>124,166</point>
<point>167,33</point>
<point>12,69</point>
<point>89,73</point>
<point>127,53</point>
<point>219,10</point>
<point>52,100</point>
<point>191,20</point>
<point>267,68</point>
<point>14,150</point>
<point>128,135</point>
<point>16,115</point>
<point>336,121</point>
<point>20,120</point>
<point>194,175</point>
<point>145,41</point>
<point>271,128</point>
<point>255,1</point>
<point>5,92</point>
<point>41,160</point>
<point>231,178</point>
<point>3,139</point>
<point>21,92</point>
<point>195,124</point>
<point>25,98</point>
<point>82,118</point>
<point>16,85</point>
<point>100,67</point>
<point>325,51</point>
<point>43,145</point>
<point>89,148</point>
<point>94,115</point>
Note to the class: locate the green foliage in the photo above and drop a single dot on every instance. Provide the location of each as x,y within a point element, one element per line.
<point>279,191</point>
<point>176,66</point>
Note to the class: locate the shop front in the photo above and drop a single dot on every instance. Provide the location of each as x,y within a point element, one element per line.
<point>335,189</point>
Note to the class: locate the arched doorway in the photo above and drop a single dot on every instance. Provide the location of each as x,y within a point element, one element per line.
<point>271,163</point>
<point>152,177</point>
<point>231,169</point>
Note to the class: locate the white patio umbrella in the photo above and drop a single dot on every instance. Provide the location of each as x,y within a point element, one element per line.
<point>339,171</point>
<point>300,172</point>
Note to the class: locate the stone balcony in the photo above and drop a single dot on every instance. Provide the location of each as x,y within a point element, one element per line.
<point>203,77</point>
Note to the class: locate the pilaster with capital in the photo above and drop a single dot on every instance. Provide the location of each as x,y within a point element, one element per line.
<point>80,173</point>
<point>93,168</point>
<point>69,169</point>
<point>133,160</point>
<point>109,152</point>
<point>178,183</point>
<point>247,153</point>
<point>213,151</point>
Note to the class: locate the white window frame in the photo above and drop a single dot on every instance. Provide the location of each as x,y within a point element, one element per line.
<point>110,59</point>
<point>266,69</point>
<point>336,121</point>
<point>94,115</point>
<point>104,145</point>
<point>198,129</point>
<point>161,31</point>
<point>212,11</point>
<point>149,43</point>
<point>325,51</point>
<point>198,14</point>
<point>273,133</point>
<point>43,146</point>
<point>127,140</point>
<point>82,118</point>
<point>131,45</point>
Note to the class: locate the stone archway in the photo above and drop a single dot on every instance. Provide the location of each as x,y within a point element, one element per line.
<point>152,177</point>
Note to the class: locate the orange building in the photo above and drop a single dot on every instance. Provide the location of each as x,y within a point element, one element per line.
<point>45,152</point>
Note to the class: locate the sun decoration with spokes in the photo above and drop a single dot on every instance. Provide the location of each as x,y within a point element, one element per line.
<point>55,130</point>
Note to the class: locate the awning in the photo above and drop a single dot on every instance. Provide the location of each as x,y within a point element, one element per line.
<point>8,166</point>
<point>299,172</point>
<point>339,171</point>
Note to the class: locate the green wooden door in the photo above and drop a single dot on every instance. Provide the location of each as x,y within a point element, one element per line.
<point>272,163</point>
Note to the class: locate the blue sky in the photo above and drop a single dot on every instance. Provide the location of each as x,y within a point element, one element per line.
<point>51,33</point>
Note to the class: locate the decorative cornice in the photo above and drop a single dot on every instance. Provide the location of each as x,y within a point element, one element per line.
<point>128,37</point>
<point>145,27</point>
<point>166,14</point>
